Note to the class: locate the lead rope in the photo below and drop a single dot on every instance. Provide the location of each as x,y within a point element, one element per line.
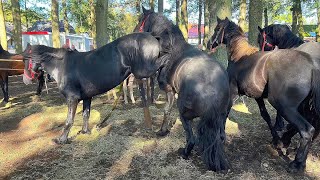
<point>100,124</point>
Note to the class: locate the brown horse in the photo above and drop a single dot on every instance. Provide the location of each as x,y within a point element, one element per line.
<point>12,64</point>
<point>288,78</point>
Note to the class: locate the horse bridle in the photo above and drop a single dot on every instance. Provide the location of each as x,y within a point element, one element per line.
<point>143,23</point>
<point>265,42</point>
<point>217,37</point>
<point>32,73</point>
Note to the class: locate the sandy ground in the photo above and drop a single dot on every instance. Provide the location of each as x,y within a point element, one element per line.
<point>124,149</point>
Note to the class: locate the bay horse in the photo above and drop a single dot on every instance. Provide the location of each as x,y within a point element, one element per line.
<point>14,66</point>
<point>82,75</point>
<point>202,85</point>
<point>288,78</point>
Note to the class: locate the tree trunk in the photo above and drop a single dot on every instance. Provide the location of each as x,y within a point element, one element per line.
<point>300,20</point>
<point>55,24</point>
<point>138,4</point>
<point>17,25</point>
<point>212,8</point>
<point>184,19</point>
<point>255,20</point>
<point>199,22</point>
<point>318,15</point>
<point>178,12</point>
<point>160,6</point>
<point>222,8</point>
<point>3,32</point>
<point>92,23</point>
<point>101,22</point>
<point>26,10</point>
<point>151,4</point>
<point>265,13</point>
<point>243,13</point>
<point>294,17</point>
<point>206,22</point>
<point>65,16</point>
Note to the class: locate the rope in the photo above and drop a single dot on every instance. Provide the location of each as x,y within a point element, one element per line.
<point>10,60</point>
<point>99,125</point>
<point>7,69</point>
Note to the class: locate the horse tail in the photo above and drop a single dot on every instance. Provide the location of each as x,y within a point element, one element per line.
<point>315,92</point>
<point>211,132</point>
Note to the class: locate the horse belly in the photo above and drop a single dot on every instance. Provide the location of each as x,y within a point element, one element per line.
<point>253,86</point>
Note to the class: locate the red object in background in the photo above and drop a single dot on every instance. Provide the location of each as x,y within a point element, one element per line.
<point>36,33</point>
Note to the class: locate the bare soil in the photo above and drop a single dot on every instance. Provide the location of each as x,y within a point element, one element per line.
<point>124,149</point>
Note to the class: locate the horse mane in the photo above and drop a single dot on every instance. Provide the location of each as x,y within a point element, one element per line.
<point>41,53</point>
<point>283,36</point>
<point>238,44</point>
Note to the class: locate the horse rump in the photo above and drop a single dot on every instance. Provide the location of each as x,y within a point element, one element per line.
<point>211,132</point>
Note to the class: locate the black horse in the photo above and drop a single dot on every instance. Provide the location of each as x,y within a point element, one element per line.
<point>286,77</point>
<point>281,36</point>
<point>82,75</point>
<point>202,85</point>
<point>14,67</point>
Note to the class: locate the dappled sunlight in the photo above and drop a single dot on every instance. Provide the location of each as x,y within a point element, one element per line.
<point>241,107</point>
<point>137,148</point>
<point>34,134</point>
<point>232,128</point>
<point>313,164</point>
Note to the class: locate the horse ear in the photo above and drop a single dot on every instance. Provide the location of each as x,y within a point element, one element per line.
<point>144,10</point>
<point>226,19</point>
<point>218,19</point>
<point>260,29</point>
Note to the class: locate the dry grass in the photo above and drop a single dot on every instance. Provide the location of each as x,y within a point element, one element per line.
<point>124,149</point>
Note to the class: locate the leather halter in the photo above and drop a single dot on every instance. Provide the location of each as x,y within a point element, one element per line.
<point>265,43</point>
<point>143,23</point>
<point>31,77</point>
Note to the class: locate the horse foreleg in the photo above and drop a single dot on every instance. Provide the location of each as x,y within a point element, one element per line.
<point>279,124</point>
<point>130,84</point>
<point>265,115</point>
<point>152,99</point>
<point>147,116</point>
<point>40,84</point>
<point>72,107</point>
<point>125,91</point>
<point>86,115</point>
<point>4,86</point>
<point>185,152</point>
<point>164,130</point>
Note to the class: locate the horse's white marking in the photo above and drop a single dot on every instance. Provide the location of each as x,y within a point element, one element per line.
<point>55,73</point>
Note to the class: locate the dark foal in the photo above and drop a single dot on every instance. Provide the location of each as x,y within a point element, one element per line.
<point>202,85</point>
<point>11,68</point>
<point>288,78</point>
<point>82,75</point>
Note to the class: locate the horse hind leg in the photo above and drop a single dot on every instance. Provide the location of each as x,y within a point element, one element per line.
<point>187,125</point>
<point>130,84</point>
<point>4,87</point>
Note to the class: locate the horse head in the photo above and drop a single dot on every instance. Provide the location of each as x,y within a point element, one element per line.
<point>222,33</point>
<point>265,39</point>
<point>28,73</point>
<point>145,21</point>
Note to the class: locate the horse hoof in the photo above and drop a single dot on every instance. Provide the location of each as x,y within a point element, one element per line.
<point>59,141</point>
<point>296,167</point>
<point>162,133</point>
<point>85,131</point>
<point>182,153</point>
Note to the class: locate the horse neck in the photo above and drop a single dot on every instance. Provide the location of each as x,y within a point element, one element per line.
<point>239,47</point>
<point>54,68</point>
<point>285,43</point>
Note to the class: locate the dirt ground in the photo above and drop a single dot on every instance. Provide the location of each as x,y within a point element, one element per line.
<point>124,149</point>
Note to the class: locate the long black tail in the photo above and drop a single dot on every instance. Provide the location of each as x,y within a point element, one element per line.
<point>211,131</point>
<point>315,90</point>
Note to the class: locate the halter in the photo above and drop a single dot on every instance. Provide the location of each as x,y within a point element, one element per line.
<point>222,36</point>
<point>265,43</point>
<point>29,69</point>
<point>142,24</point>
